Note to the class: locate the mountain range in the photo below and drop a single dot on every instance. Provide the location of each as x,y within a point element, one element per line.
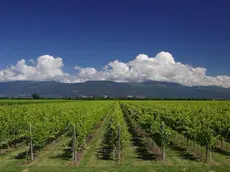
<point>150,89</point>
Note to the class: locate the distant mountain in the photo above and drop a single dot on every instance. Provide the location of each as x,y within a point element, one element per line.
<point>153,89</point>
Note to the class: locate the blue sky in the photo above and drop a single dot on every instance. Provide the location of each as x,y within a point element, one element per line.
<point>93,33</point>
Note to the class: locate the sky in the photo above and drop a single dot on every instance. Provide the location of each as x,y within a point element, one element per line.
<point>183,41</point>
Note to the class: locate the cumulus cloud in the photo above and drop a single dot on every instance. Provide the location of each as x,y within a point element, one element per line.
<point>162,67</point>
<point>46,68</point>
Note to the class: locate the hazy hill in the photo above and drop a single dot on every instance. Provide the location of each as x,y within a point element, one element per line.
<point>153,89</point>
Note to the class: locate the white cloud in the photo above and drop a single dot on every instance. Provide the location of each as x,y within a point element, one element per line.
<point>163,67</point>
<point>160,68</point>
<point>47,68</point>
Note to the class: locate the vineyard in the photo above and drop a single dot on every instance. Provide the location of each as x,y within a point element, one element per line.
<point>114,135</point>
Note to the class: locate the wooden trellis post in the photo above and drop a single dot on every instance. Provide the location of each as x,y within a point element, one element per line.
<point>31,145</point>
<point>74,143</point>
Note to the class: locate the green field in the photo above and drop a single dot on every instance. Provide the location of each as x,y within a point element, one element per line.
<point>115,136</point>
<point>29,101</point>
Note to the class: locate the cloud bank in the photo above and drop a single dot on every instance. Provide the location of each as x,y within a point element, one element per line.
<point>162,67</point>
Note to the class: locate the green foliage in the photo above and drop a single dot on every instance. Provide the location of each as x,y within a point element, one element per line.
<point>50,120</point>
<point>203,122</point>
<point>151,124</point>
<point>118,128</point>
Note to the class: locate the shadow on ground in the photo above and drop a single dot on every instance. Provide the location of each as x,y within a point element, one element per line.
<point>183,152</point>
<point>66,155</point>
<point>105,151</point>
<point>221,151</point>
<point>142,148</point>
